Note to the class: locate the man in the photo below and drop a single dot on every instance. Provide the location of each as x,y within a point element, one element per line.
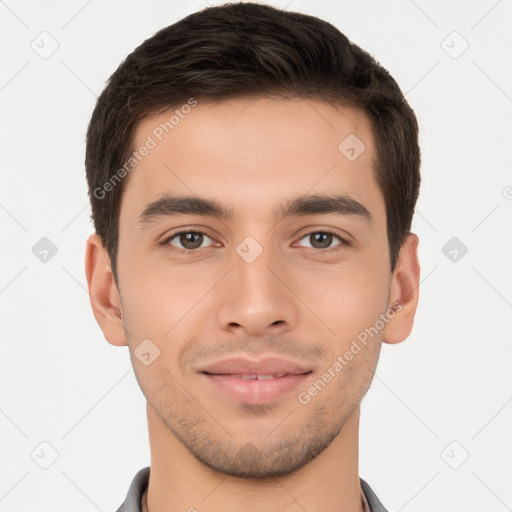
<point>253,176</point>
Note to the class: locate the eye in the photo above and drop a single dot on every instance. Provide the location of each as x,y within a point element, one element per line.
<point>188,240</point>
<point>194,241</point>
<point>322,240</point>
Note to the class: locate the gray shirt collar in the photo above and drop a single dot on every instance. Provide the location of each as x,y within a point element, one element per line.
<point>132,503</point>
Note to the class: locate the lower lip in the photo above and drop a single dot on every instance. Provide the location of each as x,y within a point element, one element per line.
<point>254,391</point>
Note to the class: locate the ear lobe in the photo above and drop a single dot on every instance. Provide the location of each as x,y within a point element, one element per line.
<point>404,293</point>
<point>103,293</point>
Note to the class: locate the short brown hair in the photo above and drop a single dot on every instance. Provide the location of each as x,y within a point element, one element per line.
<point>251,50</point>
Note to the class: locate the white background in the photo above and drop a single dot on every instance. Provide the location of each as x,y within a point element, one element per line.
<point>62,383</point>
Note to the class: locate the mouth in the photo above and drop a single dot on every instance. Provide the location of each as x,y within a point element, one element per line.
<point>251,377</point>
<point>251,381</point>
<point>255,389</point>
<point>269,366</point>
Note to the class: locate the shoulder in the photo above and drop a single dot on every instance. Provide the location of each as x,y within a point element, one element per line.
<point>371,497</point>
<point>132,502</point>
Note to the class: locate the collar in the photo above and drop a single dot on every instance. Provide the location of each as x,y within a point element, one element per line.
<point>134,499</point>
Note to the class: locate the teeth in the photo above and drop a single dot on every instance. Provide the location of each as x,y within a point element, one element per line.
<point>259,377</point>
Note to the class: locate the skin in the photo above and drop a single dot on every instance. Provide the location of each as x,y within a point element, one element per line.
<point>295,300</point>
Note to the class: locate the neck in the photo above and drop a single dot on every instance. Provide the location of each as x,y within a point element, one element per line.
<point>179,481</point>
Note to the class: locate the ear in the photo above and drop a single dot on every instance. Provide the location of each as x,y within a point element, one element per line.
<point>103,293</point>
<point>404,293</point>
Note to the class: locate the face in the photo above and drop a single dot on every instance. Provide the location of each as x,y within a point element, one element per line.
<point>276,266</point>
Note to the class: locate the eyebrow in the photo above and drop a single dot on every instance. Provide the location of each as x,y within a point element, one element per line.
<point>169,206</point>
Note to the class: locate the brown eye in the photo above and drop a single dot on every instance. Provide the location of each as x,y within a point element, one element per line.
<point>322,240</point>
<point>188,240</point>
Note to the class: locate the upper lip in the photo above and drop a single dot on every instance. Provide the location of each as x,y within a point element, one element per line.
<point>263,366</point>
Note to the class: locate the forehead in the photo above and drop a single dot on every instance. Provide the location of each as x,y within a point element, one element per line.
<point>248,153</point>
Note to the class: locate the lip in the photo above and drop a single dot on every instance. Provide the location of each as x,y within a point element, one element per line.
<point>225,376</point>
<point>255,391</point>
<point>264,366</point>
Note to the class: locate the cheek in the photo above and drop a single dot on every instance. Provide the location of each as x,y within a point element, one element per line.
<point>164,303</point>
<point>346,298</point>
<point>150,288</point>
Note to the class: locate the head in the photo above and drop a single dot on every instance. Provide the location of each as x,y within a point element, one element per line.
<point>252,194</point>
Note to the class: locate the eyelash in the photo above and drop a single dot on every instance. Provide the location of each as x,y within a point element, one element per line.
<point>165,243</point>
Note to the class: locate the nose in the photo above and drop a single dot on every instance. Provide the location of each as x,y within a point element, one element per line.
<point>256,298</point>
